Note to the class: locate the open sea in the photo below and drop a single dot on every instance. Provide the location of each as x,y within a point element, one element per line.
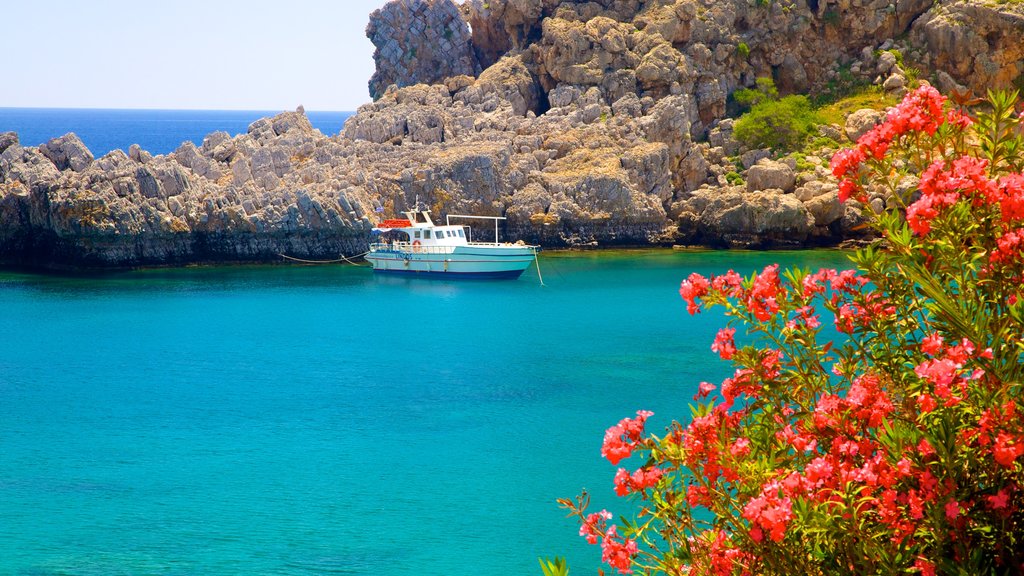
<point>157,131</point>
<point>290,420</point>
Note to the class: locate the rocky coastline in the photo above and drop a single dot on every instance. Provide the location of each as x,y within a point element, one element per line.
<point>603,123</point>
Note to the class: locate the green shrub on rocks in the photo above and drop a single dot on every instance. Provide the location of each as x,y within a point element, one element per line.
<point>764,91</point>
<point>781,125</point>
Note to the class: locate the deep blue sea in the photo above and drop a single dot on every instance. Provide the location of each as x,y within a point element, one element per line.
<point>157,131</point>
<point>325,420</point>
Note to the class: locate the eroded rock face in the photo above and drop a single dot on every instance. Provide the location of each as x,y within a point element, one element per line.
<point>60,207</point>
<point>980,44</point>
<point>419,41</point>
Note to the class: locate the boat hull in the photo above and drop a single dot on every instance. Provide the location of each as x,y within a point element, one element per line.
<point>461,262</point>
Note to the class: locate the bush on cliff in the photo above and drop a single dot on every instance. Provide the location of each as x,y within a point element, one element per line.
<point>782,125</point>
<point>898,448</point>
<point>763,91</point>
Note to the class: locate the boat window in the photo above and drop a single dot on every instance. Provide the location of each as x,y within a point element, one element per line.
<point>416,234</point>
<point>439,234</point>
<point>461,234</point>
<point>448,232</point>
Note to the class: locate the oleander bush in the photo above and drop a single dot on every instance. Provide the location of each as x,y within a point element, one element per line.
<point>897,447</point>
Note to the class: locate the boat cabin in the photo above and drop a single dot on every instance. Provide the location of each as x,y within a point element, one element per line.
<point>420,232</point>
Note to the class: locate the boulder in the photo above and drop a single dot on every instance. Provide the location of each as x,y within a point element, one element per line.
<point>734,218</point>
<point>860,121</point>
<point>770,174</point>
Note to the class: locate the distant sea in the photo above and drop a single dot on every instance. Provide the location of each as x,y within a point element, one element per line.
<point>157,131</point>
<point>299,421</point>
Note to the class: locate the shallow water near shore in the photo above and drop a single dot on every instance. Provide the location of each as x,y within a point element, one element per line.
<point>326,420</point>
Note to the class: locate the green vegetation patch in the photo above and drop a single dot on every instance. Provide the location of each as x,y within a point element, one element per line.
<point>835,112</point>
<point>782,125</point>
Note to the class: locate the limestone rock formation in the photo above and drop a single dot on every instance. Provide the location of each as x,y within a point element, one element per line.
<point>419,41</point>
<point>584,123</point>
<point>978,43</point>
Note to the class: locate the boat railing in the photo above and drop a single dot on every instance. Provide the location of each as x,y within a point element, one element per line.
<point>410,247</point>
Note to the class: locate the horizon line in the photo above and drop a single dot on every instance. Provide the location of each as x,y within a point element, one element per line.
<point>142,109</point>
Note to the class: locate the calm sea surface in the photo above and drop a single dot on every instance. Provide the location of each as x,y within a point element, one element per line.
<point>324,420</point>
<point>157,131</point>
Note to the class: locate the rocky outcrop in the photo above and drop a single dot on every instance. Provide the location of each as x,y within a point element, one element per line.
<point>980,44</point>
<point>584,123</point>
<point>248,197</point>
<point>419,41</point>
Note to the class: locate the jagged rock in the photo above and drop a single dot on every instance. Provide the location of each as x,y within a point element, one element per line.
<point>419,41</point>
<point>859,122</point>
<point>502,25</point>
<point>7,139</point>
<point>769,174</point>
<point>136,153</point>
<point>67,151</point>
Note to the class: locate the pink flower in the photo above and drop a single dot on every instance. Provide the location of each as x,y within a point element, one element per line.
<point>705,389</point>
<point>724,343</point>
<point>932,344</point>
<point>621,439</point>
<point>952,509</point>
<point>694,287</point>
<point>641,480</point>
<point>846,162</point>
<point>593,525</point>
<point>618,555</point>
<point>768,512</point>
<point>740,448</point>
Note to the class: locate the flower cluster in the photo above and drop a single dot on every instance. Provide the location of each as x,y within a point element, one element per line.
<point>899,446</point>
<point>620,440</point>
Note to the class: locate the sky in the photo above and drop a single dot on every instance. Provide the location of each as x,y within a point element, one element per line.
<point>186,54</point>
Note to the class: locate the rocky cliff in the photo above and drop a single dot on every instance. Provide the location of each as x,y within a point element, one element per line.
<point>584,123</point>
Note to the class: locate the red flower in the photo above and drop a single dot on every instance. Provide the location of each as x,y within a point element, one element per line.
<point>618,555</point>
<point>724,343</point>
<point>1007,449</point>
<point>593,525</point>
<point>621,439</point>
<point>770,513</point>
<point>696,286</point>
<point>931,344</point>
<point>846,162</point>
<point>639,481</point>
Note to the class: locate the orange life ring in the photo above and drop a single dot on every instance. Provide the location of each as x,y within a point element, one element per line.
<point>416,245</point>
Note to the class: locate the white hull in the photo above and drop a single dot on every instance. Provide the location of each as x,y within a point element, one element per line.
<point>473,260</point>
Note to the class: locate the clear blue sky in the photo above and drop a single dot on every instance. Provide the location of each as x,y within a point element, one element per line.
<point>198,54</point>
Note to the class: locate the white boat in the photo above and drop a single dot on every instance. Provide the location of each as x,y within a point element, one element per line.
<point>418,246</point>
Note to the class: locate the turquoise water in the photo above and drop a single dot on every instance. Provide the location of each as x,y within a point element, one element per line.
<point>323,420</point>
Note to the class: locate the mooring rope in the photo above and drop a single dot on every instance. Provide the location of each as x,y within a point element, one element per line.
<point>342,259</point>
